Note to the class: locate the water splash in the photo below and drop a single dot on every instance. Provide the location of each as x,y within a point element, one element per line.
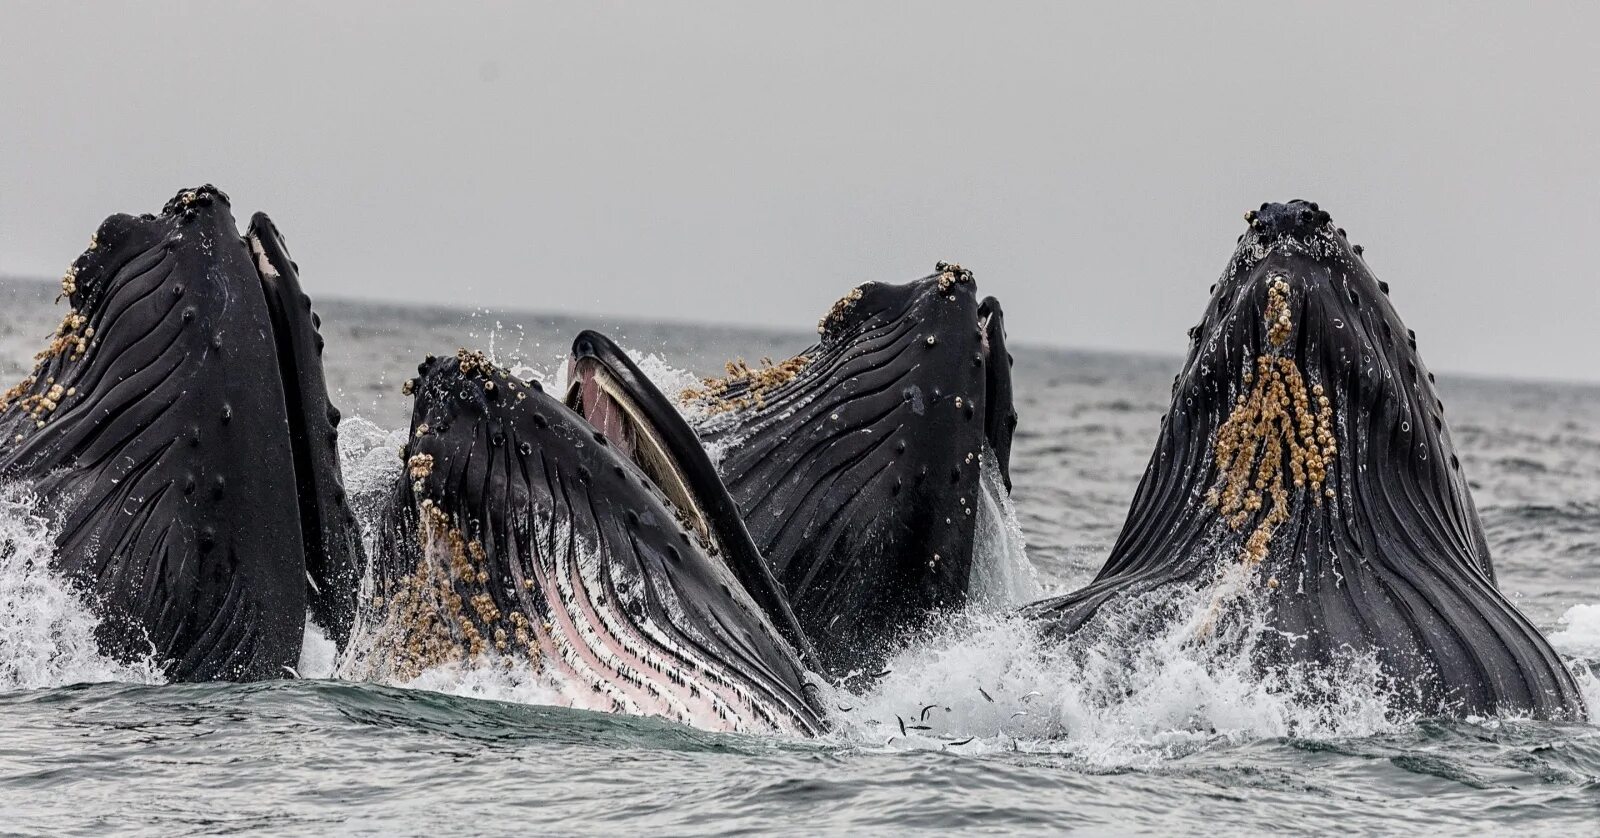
<point>1581,637</point>
<point>318,654</point>
<point>46,630</point>
<point>490,677</point>
<point>1112,696</point>
<point>1579,643</point>
<point>1002,575</point>
<point>369,456</point>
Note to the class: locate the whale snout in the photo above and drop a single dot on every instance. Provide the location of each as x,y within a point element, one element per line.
<point>1295,218</point>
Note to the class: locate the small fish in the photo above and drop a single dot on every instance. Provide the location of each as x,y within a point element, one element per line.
<point>844,709</point>
<point>962,742</point>
<point>292,673</point>
<point>919,727</point>
<point>1020,713</point>
<point>902,725</point>
<point>1031,695</point>
<point>883,673</point>
<point>986,695</point>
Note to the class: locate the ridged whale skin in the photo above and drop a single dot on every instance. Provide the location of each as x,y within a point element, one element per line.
<point>1306,446</point>
<point>521,531</point>
<point>856,463</point>
<point>178,433</point>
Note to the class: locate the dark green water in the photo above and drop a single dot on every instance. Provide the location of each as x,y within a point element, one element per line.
<point>1019,737</point>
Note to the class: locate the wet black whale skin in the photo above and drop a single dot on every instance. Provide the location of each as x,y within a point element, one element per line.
<point>1395,563</point>
<point>171,467</point>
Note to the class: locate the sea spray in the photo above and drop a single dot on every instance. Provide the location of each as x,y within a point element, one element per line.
<point>46,629</point>
<point>1002,576</point>
<point>1579,643</point>
<point>492,677</point>
<point>1113,695</point>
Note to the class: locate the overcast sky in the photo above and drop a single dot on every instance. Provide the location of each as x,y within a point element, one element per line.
<point>750,162</point>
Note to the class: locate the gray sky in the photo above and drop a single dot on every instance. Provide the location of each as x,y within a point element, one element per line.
<point>750,162</point>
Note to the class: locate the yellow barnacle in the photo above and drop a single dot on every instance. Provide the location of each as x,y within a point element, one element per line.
<point>1271,424</point>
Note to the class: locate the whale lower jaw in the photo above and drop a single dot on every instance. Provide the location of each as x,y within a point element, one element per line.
<point>599,657</point>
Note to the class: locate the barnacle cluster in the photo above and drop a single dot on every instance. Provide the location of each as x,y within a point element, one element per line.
<point>71,338</point>
<point>70,341</point>
<point>838,311</point>
<point>1279,419</point>
<point>951,273</point>
<point>442,611</point>
<point>474,361</point>
<point>37,405</point>
<point>420,466</point>
<point>751,384</point>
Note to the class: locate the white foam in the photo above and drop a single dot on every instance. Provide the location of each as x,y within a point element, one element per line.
<point>490,677</point>
<point>46,630</point>
<point>1581,637</point>
<point>1579,642</point>
<point>670,380</point>
<point>318,654</point>
<point>1111,696</point>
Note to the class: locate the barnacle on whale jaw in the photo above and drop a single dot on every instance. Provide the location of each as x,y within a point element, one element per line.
<point>744,386</point>
<point>837,312</point>
<point>442,612</point>
<point>1279,416</point>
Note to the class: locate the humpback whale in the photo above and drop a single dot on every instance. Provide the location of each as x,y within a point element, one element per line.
<point>856,463</point>
<point>178,434</point>
<point>1306,452</point>
<point>521,531</point>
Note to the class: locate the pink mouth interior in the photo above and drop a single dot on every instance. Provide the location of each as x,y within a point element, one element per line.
<point>600,409</point>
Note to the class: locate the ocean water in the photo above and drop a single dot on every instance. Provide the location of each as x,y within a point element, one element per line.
<point>978,727</point>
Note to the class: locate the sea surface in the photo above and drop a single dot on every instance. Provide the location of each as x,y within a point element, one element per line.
<point>1020,736</point>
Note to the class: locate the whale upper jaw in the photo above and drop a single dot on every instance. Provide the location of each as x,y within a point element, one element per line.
<point>1306,452</point>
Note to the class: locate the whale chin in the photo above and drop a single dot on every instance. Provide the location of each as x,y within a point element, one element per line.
<point>178,432</point>
<point>1305,474</point>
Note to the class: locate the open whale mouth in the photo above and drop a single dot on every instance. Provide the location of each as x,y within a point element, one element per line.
<point>608,390</point>
<point>520,531</point>
<point>597,394</point>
